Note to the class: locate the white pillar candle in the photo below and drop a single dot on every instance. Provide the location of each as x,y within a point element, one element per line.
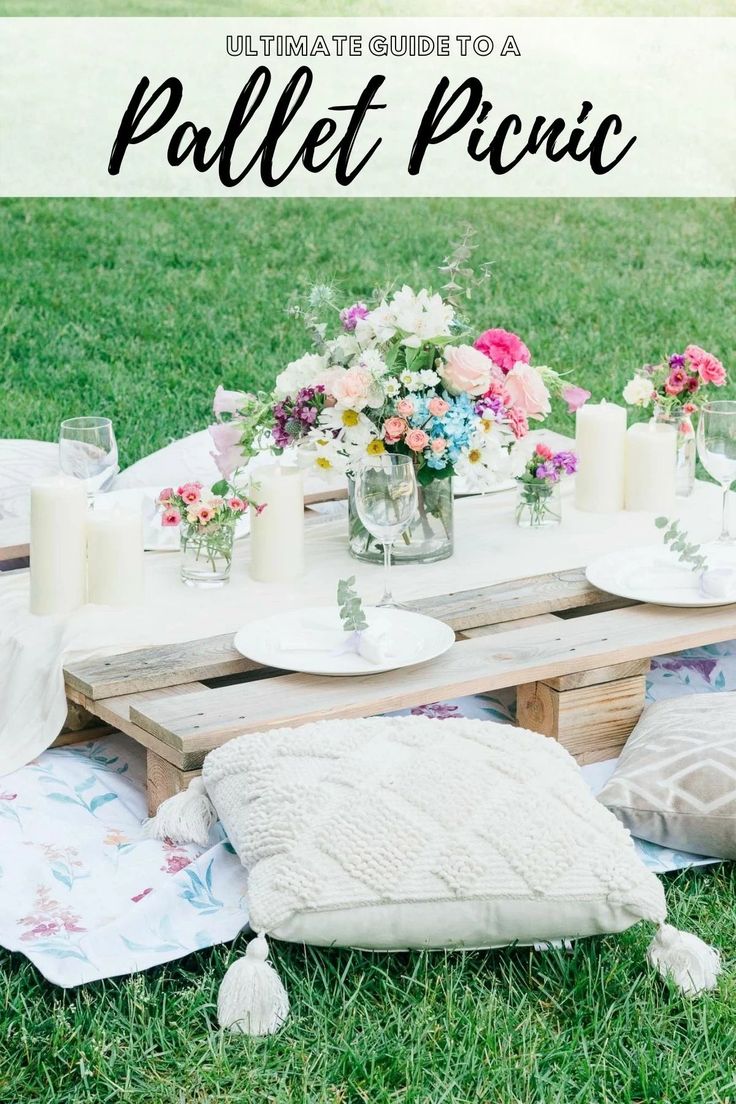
<point>58,515</point>
<point>277,532</point>
<point>115,557</point>
<point>600,442</point>
<point>651,467</point>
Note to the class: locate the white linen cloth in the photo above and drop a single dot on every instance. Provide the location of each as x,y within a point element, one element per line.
<point>489,549</point>
<point>86,896</point>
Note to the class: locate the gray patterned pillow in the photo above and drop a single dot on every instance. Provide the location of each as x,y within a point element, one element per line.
<point>675,783</point>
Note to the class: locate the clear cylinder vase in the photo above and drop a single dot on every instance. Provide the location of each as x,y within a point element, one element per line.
<point>686,449</point>
<point>206,554</point>
<point>538,504</point>
<point>429,538</point>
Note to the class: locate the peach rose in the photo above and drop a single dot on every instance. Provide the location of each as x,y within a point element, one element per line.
<point>354,387</point>
<point>405,407</point>
<point>527,391</point>
<point>465,370</point>
<point>438,407</point>
<point>417,440</point>
<point>394,429</point>
<point>439,444</point>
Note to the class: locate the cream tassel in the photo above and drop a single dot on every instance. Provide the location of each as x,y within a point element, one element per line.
<point>688,961</point>
<point>252,999</point>
<point>187,817</point>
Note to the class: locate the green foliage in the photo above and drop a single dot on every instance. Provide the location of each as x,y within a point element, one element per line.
<point>688,552</point>
<point>351,606</point>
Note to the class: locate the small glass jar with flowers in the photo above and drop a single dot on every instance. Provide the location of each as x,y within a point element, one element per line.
<point>207,523</point>
<point>669,390</point>
<point>539,502</point>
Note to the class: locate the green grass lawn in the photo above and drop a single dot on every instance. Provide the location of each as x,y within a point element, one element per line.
<point>137,309</point>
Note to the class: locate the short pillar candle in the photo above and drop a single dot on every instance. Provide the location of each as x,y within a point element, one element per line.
<point>600,442</point>
<point>58,573</point>
<point>651,467</point>
<point>115,557</point>
<point>276,530</point>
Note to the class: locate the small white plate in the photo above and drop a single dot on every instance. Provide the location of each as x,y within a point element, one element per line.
<point>413,639</point>
<point>156,537</point>
<point>652,574</point>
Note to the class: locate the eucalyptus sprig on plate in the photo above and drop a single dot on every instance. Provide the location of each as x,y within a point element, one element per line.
<point>352,614</point>
<point>714,582</point>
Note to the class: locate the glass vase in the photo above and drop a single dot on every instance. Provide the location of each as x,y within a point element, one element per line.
<point>538,505</point>
<point>686,448</point>
<point>429,537</point>
<point>207,554</point>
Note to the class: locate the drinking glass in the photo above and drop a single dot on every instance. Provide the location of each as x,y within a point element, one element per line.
<point>386,501</point>
<point>717,450</point>
<point>88,451</point>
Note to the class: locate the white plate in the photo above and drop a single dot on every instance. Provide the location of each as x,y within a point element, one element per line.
<point>413,637</point>
<point>156,537</point>
<point>652,574</point>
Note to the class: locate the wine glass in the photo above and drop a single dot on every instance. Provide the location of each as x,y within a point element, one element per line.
<point>717,450</point>
<point>386,501</point>
<point>88,451</point>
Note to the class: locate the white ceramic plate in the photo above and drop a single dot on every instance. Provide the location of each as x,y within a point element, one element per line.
<point>156,537</point>
<point>413,638</point>
<point>652,574</point>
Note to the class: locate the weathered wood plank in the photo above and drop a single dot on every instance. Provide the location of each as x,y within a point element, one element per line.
<point>198,722</point>
<point>163,780</point>
<point>214,657</point>
<point>599,675</point>
<point>586,719</point>
<point>506,626</point>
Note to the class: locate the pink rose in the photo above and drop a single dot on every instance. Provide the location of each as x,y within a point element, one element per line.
<point>438,407</point>
<point>394,429</point>
<point>353,387</point>
<point>170,517</point>
<point>708,367</point>
<point>465,370</point>
<point>439,444</point>
<point>166,495</point>
<point>517,421</point>
<point>505,349</point>
<point>575,397</point>
<point>227,402</point>
<point>528,391</point>
<point>417,440</point>
<point>405,407</point>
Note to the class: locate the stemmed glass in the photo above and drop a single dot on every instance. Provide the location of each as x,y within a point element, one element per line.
<point>717,450</point>
<point>386,501</point>
<point>88,451</point>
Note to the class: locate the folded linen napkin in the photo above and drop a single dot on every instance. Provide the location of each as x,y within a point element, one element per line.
<point>373,644</point>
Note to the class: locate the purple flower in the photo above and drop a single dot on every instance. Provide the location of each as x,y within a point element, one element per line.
<point>350,316</point>
<point>566,461</point>
<point>548,471</point>
<point>293,418</point>
<point>677,360</point>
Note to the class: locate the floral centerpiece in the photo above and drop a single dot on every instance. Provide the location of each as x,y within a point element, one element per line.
<point>403,373</point>
<point>670,390</point>
<point>207,524</point>
<point>539,487</point>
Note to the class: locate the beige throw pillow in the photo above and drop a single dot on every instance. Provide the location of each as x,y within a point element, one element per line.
<point>675,783</point>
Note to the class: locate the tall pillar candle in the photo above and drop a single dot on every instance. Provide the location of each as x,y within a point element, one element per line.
<point>115,557</point>
<point>58,516</point>
<point>277,531</point>
<point>651,467</point>
<point>600,442</point>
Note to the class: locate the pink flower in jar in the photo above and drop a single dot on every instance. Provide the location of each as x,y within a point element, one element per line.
<point>405,407</point>
<point>237,504</point>
<point>205,514</point>
<point>170,517</point>
<point>504,348</point>
<point>394,429</point>
<point>676,381</point>
<point>438,407</point>
<point>165,496</point>
<point>416,440</point>
<point>689,408</point>
<point>708,367</point>
<point>191,493</point>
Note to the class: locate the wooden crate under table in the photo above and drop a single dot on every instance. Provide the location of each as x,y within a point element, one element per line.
<point>577,657</point>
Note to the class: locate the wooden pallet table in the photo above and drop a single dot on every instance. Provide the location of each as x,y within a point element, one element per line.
<point>577,657</point>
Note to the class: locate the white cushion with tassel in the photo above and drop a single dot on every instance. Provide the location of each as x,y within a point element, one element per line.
<point>392,833</point>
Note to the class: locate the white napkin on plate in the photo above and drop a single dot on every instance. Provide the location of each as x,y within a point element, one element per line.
<point>373,644</point>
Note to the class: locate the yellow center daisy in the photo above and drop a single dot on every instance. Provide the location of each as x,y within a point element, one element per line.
<point>323,462</point>
<point>350,417</point>
<point>376,447</point>
<point>474,456</point>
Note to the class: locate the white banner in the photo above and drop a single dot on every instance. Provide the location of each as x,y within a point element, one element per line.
<point>367,107</point>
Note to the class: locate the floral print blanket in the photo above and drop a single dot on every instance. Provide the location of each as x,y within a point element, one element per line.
<point>85,896</point>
